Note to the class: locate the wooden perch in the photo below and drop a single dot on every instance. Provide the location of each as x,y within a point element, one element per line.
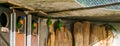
<point>85,8</point>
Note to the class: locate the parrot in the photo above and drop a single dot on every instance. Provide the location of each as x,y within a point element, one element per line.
<point>112,27</point>
<point>34,27</point>
<point>34,24</point>
<point>49,22</point>
<point>59,24</point>
<point>20,23</point>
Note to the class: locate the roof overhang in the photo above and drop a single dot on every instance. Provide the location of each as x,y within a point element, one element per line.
<point>13,4</point>
<point>10,4</point>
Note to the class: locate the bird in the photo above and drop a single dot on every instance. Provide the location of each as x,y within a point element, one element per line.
<point>59,24</point>
<point>20,23</point>
<point>34,27</point>
<point>49,22</point>
<point>110,26</point>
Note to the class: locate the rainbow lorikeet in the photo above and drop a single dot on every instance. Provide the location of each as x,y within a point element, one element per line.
<point>34,27</point>
<point>49,22</point>
<point>20,23</point>
<point>34,24</point>
<point>59,24</point>
<point>110,26</point>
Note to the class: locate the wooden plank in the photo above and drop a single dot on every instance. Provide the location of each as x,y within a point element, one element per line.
<point>68,37</point>
<point>59,36</point>
<point>86,33</point>
<point>110,37</point>
<point>78,34</point>
<point>20,5</point>
<point>100,36</point>
<point>34,40</point>
<point>20,38</point>
<point>2,43</point>
<point>51,36</point>
<point>104,36</point>
<point>5,37</point>
<point>43,32</point>
<point>94,34</point>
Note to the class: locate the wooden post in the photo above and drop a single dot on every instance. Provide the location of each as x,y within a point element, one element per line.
<point>12,28</point>
<point>29,20</point>
<point>43,33</point>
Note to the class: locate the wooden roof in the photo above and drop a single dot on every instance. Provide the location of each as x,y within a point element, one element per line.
<point>10,4</point>
<point>13,4</point>
<point>49,6</point>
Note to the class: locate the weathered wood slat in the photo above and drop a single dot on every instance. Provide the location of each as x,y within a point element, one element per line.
<point>86,33</point>
<point>99,36</point>
<point>104,35</point>
<point>110,37</point>
<point>78,34</point>
<point>59,37</point>
<point>51,36</point>
<point>94,34</point>
<point>43,33</point>
<point>68,37</point>
<point>63,37</point>
<point>4,37</point>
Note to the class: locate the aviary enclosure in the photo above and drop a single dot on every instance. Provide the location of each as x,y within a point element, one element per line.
<point>25,27</point>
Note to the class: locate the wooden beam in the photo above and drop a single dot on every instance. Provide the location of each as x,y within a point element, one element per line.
<point>19,8</point>
<point>78,19</point>
<point>86,8</point>
<point>19,5</point>
<point>3,1</point>
<point>37,12</point>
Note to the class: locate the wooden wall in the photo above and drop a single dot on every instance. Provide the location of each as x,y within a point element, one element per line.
<point>71,34</point>
<point>6,36</point>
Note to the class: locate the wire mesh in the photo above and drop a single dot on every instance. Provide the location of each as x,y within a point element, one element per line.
<point>89,3</point>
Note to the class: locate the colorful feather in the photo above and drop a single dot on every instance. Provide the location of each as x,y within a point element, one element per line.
<point>49,22</point>
<point>20,21</point>
<point>59,24</point>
